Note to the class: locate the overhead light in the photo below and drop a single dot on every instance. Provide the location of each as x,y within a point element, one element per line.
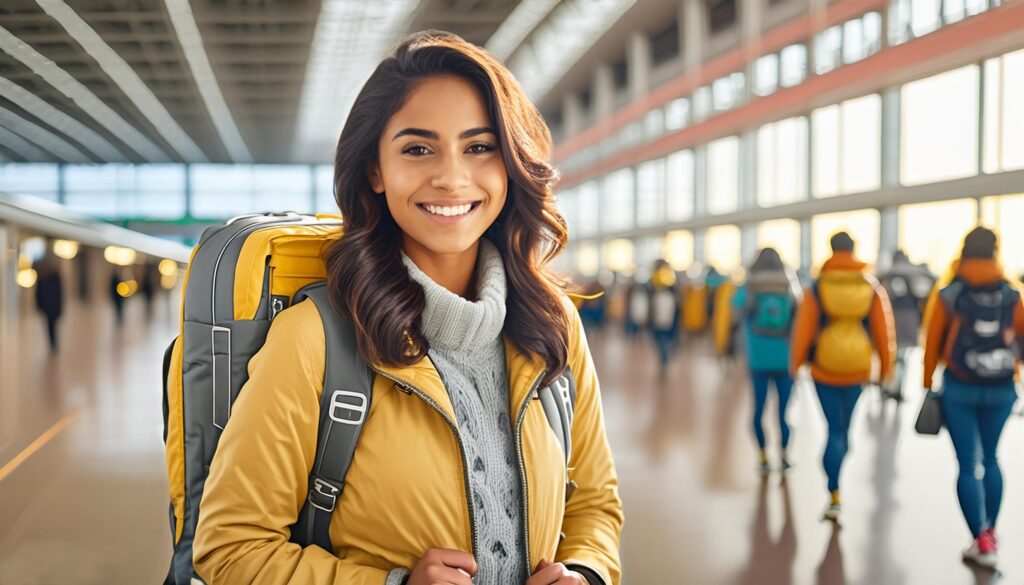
<point>192,45</point>
<point>119,256</point>
<point>26,278</point>
<point>519,24</point>
<point>351,38</point>
<point>560,40</point>
<point>60,121</point>
<point>127,288</point>
<point>66,249</point>
<point>82,97</point>
<point>122,74</point>
<point>168,267</point>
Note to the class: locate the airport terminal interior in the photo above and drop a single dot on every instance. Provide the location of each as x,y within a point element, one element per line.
<point>689,135</point>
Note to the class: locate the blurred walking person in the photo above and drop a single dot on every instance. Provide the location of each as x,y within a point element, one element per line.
<point>664,312</point>
<point>908,286</point>
<point>765,307</point>
<point>50,295</point>
<point>843,319</point>
<point>974,330</point>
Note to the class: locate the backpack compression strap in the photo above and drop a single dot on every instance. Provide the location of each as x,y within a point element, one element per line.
<point>344,406</point>
<point>558,400</point>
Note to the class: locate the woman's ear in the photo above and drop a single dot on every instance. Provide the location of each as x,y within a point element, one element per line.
<point>373,175</point>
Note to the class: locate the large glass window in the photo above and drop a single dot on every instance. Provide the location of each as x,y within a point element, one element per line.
<point>727,92</point>
<point>567,205</point>
<point>618,255</point>
<point>723,175</point>
<point>784,236</point>
<point>159,192</point>
<point>722,247</point>
<point>588,259</point>
<point>864,226</point>
<point>922,243</point>
<point>939,133</point>
<point>861,144</point>
<point>650,187</point>
<point>701,103</point>
<point>124,190</point>
<point>680,185</point>
<point>588,198</point>
<point>793,65</point>
<point>324,180</point>
<point>782,162</point>
<point>1004,118</point>
<point>93,189</point>
<point>924,16</point>
<point>677,114</point>
<point>618,199</point>
<point>846,155</point>
<point>221,191</point>
<point>766,75</point>
<point>654,123</point>
<point>679,249</point>
<point>36,179</point>
<point>1003,214</point>
<point>828,49</point>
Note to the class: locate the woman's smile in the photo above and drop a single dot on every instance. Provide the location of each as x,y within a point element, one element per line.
<point>449,213</point>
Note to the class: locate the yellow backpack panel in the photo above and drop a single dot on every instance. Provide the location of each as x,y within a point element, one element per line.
<point>843,345</point>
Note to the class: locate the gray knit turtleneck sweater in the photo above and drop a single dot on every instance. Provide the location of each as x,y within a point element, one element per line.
<point>467,349</point>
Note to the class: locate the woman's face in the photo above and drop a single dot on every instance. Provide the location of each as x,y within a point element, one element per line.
<point>441,169</point>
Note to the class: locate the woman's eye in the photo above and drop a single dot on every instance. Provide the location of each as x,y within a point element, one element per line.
<point>481,148</point>
<point>419,150</point>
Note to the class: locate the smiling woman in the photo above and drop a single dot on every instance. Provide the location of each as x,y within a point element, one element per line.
<point>443,180</point>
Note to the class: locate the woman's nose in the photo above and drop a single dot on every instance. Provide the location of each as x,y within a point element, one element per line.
<point>451,174</point>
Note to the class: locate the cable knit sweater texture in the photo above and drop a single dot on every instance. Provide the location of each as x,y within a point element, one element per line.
<point>467,349</point>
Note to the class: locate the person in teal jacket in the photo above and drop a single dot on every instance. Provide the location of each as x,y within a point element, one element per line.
<point>766,306</point>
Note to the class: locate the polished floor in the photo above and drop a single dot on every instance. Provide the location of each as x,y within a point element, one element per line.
<point>83,494</point>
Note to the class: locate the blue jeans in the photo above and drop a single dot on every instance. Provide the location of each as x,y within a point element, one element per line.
<point>837,402</point>
<point>783,387</point>
<point>975,415</point>
<point>664,340</point>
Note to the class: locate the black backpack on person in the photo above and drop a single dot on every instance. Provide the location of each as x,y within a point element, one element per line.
<point>984,349</point>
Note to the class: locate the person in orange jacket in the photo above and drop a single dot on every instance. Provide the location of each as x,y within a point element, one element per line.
<point>843,319</point>
<point>974,329</point>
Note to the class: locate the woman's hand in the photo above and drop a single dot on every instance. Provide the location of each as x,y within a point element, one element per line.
<point>440,566</point>
<point>555,574</point>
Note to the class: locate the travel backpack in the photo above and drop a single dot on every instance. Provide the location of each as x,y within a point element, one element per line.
<point>695,302</point>
<point>770,309</point>
<point>843,346</point>
<point>983,346</point>
<point>664,307</point>
<point>241,275</point>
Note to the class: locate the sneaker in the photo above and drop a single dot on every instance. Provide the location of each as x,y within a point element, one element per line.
<point>833,511</point>
<point>991,532</point>
<point>786,465</point>
<point>764,469</point>
<point>982,552</point>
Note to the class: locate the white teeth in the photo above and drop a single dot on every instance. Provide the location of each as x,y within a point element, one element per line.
<point>449,211</point>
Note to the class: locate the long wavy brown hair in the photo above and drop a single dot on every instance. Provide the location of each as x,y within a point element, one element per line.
<point>367,281</point>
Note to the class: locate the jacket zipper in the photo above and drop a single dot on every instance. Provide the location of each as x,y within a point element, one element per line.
<point>410,389</point>
<point>522,470</point>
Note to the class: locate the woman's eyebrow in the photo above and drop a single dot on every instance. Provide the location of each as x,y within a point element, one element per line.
<point>433,135</point>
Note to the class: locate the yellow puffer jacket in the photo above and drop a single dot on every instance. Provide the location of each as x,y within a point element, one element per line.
<point>406,489</point>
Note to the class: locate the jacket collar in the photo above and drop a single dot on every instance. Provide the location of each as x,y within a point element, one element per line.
<point>979,271</point>
<point>843,261</point>
<point>523,371</point>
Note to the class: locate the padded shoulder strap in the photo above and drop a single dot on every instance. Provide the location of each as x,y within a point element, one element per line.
<point>344,406</point>
<point>559,402</point>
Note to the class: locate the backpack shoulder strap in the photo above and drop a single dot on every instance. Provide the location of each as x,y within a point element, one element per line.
<point>344,406</point>
<point>559,401</point>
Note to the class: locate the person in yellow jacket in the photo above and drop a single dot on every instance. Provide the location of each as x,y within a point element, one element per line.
<point>442,179</point>
<point>843,319</point>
